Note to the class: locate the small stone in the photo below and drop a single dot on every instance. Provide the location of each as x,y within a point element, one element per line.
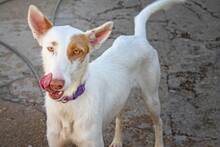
<point>3,109</point>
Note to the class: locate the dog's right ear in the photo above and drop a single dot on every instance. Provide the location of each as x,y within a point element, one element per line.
<point>38,23</point>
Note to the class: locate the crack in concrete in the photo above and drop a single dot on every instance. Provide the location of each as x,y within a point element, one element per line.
<point>12,81</point>
<point>118,8</point>
<point>178,33</point>
<point>178,133</point>
<point>36,106</point>
<point>205,9</point>
<point>188,6</point>
<point>15,98</point>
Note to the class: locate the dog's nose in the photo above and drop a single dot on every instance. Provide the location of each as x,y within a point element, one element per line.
<point>56,84</point>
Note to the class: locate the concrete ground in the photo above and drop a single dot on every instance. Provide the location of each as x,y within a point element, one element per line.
<point>187,38</point>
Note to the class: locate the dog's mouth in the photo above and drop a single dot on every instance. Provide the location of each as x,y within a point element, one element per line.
<point>56,94</point>
<point>45,85</point>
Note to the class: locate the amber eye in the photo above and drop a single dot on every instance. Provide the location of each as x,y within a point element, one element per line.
<point>50,49</point>
<point>77,51</point>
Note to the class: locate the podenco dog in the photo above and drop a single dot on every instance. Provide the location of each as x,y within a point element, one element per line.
<point>81,97</point>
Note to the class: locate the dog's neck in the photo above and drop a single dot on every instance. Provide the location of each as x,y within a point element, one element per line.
<point>81,78</point>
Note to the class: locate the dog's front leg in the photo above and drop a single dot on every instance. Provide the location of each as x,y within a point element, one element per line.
<point>93,139</point>
<point>53,133</point>
<point>91,142</point>
<point>94,143</point>
<point>88,135</point>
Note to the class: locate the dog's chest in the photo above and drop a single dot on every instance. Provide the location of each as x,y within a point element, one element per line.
<point>61,113</point>
<point>66,118</point>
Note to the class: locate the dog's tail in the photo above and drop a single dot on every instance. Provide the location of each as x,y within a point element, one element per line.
<point>141,19</point>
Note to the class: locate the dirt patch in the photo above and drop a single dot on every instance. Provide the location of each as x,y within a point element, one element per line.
<point>21,126</point>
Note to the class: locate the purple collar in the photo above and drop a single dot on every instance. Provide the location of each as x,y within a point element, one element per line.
<point>79,91</point>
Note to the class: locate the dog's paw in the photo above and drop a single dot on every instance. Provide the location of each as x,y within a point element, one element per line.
<point>116,144</point>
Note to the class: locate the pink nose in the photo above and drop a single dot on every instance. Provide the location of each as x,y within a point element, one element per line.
<point>56,84</point>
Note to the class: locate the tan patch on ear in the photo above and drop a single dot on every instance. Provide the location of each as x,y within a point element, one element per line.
<point>78,47</point>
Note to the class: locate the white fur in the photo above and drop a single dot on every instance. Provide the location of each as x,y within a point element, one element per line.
<point>130,62</point>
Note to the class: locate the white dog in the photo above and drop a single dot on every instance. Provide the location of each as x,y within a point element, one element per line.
<point>81,97</point>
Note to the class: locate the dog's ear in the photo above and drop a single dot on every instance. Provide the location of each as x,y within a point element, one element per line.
<point>38,23</point>
<point>98,35</point>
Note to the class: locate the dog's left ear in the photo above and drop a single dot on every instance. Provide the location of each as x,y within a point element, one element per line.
<point>98,35</point>
<point>38,23</point>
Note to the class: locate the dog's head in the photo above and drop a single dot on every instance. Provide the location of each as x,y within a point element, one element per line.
<point>65,50</point>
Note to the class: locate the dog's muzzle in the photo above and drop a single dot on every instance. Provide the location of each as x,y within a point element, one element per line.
<point>53,86</point>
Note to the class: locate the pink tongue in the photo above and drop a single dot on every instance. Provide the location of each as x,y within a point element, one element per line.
<point>45,81</point>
